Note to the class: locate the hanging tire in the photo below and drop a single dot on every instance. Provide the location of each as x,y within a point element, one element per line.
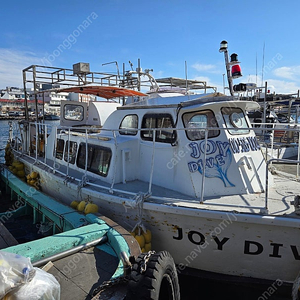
<point>158,282</point>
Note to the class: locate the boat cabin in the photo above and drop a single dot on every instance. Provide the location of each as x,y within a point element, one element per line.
<point>171,141</point>
<point>74,113</point>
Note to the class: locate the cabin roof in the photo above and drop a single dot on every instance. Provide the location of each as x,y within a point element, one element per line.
<point>168,100</point>
<point>188,101</point>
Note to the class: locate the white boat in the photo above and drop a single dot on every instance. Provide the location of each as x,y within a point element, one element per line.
<point>51,117</point>
<point>189,168</point>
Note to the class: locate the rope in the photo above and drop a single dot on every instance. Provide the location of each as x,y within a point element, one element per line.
<point>139,198</point>
<point>82,182</point>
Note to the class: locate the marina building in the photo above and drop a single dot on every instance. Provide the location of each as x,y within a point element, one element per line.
<point>12,99</point>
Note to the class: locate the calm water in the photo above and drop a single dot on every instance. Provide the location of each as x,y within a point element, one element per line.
<point>3,138</point>
<point>198,288</point>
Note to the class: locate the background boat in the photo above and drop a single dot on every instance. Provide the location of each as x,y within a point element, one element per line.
<point>50,117</point>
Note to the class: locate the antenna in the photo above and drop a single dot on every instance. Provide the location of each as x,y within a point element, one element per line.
<point>186,82</point>
<point>263,65</point>
<point>131,65</point>
<point>256,69</point>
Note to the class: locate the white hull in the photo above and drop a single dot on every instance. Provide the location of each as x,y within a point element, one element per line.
<point>217,241</point>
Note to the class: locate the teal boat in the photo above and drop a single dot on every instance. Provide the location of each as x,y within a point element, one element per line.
<point>81,251</point>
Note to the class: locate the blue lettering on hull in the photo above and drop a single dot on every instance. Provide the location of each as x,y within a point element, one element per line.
<point>220,156</point>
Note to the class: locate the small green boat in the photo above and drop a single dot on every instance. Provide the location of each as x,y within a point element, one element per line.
<point>82,251</point>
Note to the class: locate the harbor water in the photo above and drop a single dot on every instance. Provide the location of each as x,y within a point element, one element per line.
<point>4,137</point>
<point>198,288</point>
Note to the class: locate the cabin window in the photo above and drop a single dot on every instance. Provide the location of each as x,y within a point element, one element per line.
<point>72,152</point>
<point>235,120</point>
<point>162,122</point>
<point>129,125</point>
<point>98,158</point>
<point>73,112</point>
<point>60,143</point>
<point>196,122</point>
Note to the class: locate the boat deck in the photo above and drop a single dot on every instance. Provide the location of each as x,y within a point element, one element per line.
<point>280,198</point>
<point>280,194</point>
<point>80,274</point>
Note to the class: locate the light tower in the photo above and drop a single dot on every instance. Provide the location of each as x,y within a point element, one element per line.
<point>233,68</point>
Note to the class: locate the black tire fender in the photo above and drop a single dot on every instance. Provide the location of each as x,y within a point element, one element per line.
<point>158,282</point>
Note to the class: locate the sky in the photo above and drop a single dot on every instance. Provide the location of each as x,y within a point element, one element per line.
<point>165,35</point>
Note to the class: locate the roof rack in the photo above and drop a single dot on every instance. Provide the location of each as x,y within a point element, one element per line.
<point>185,83</point>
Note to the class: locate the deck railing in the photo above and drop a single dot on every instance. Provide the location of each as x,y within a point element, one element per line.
<point>26,148</point>
<point>268,162</point>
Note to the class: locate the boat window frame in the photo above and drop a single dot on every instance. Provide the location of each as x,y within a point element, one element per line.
<point>129,131</point>
<point>91,154</point>
<point>72,155</point>
<point>159,133</point>
<point>70,119</point>
<point>234,129</point>
<point>201,134</point>
<point>55,152</point>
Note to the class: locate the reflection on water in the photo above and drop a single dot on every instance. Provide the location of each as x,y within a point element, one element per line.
<point>4,137</point>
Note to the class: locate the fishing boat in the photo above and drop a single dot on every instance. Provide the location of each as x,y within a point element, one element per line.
<point>81,251</point>
<point>50,117</point>
<point>186,166</point>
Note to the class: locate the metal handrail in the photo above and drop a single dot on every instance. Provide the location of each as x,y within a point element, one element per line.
<point>203,175</point>
<point>112,189</point>
<point>287,161</point>
<point>115,165</point>
<point>250,165</point>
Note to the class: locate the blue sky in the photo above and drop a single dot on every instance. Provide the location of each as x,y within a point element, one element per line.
<point>162,33</point>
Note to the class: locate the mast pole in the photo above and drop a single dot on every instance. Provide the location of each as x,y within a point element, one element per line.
<point>228,73</point>
<point>223,48</point>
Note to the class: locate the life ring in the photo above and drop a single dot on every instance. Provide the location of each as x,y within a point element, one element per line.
<point>158,282</point>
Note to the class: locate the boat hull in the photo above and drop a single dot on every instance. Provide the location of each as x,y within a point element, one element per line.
<point>228,243</point>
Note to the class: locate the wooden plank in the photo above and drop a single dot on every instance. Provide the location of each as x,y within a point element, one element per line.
<point>47,266</point>
<point>6,238</point>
